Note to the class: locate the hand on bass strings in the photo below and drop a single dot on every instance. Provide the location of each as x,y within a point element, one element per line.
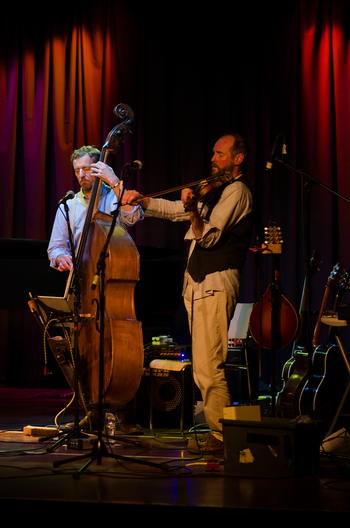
<point>64,262</point>
<point>105,173</point>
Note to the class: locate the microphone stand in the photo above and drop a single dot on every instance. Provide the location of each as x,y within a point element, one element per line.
<point>99,449</point>
<point>75,433</point>
<point>306,183</point>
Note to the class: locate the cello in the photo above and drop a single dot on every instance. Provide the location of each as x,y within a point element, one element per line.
<point>121,340</point>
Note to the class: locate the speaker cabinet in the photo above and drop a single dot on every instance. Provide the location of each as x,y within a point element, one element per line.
<point>168,391</point>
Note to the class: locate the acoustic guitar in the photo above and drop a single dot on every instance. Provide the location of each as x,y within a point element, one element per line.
<point>294,400</point>
<point>329,373</point>
<point>287,401</point>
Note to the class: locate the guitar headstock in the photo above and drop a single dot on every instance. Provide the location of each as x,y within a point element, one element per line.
<point>344,281</point>
<point>273,239</point>
<point>335,274</point>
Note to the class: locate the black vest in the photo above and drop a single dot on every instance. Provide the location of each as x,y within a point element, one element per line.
<point>230,250</point>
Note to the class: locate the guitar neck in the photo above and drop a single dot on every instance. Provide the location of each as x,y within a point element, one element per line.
<point>318,327</point>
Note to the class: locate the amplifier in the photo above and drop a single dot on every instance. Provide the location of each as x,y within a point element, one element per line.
<point>236,356</point>
<point>237,374</point>
<point>166,351</point>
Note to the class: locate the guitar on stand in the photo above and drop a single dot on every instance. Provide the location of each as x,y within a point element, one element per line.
<point>274,320</point>
<point>329,375</point>
<point>293,399</point>
<point>294,370</point>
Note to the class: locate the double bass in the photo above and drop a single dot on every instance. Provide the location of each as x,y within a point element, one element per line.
<point>122,333</point>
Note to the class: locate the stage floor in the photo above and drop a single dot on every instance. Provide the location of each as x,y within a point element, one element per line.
<point>175,485</point>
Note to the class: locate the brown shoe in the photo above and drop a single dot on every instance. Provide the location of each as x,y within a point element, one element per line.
<point>206,445</point>
<point>127,422</point>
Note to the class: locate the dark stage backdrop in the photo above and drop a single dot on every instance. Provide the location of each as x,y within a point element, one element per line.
<point>190,71</point>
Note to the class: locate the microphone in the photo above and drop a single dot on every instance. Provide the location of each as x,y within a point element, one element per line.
<point>135,165</point>
<point>69,196</point>
<point>272,156</point>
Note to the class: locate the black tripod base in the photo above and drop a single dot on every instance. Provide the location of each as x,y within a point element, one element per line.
<point>99,451</point>
<point>74,435</point>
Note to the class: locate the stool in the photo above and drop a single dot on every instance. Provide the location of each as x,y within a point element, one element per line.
<point>331,319</point>
<point>164,367</point>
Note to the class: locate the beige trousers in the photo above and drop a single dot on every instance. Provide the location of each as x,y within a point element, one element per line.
<point>209,319</point>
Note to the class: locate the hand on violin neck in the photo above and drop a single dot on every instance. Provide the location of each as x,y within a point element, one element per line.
<point>189,200</point>
<point>190,203</point>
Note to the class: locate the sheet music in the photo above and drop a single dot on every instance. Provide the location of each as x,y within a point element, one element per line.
<point>240,323</point>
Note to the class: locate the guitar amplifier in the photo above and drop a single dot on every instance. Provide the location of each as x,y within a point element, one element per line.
<point>237,372</point>
<point>166,351</point>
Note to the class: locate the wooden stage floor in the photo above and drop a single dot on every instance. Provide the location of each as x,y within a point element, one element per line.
<point>178,485</point>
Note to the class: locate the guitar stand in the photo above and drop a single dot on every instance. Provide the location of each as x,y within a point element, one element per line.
<point>99,449</point>
<point>274,337</point>
<point>334,322</point>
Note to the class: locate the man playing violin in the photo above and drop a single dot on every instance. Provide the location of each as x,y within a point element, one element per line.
<point>86,168</point>
<point>220,233</point>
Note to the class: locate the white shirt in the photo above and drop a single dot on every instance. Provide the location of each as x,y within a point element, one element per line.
<point>234,204</point>
<point>107,202</point>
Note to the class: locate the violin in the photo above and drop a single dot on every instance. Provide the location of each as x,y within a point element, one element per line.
<point>204,189</point>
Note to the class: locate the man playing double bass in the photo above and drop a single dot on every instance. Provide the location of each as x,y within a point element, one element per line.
<point>220,233</point>
<point>86,168</point>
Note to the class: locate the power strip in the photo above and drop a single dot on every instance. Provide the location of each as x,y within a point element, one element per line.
<point>80,444</point>
<point>31,430</point>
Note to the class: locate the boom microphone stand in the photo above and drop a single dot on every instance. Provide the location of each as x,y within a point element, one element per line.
<point>75,433</point>
<point>99,449</point>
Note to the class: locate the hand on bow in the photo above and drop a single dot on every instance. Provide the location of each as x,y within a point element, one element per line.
<point>135,198</point>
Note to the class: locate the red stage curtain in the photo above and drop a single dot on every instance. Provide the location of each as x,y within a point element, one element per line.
<point>263,69</point>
